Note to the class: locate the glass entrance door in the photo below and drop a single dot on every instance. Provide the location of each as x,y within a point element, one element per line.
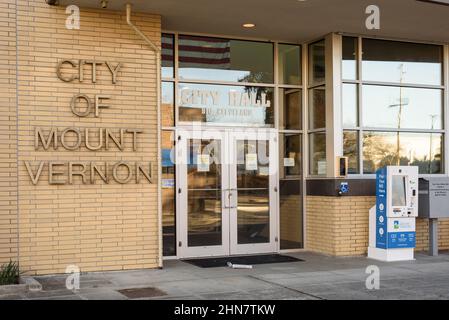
<point>226,192</point>
<point>253,180</point>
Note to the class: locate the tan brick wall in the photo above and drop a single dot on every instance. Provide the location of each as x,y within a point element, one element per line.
<point>290,218</point>
<point>422,234</point>
<point>8,141</point>
<point>97,227</point>
<point>339,226</point>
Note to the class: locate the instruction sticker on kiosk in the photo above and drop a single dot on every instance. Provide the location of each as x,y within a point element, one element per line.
<point>251,161</point>
<point>202,162</point>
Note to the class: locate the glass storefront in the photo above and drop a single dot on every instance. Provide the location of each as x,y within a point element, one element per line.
<point>392,106</point>
<point>225,84</point>
<point>392,102</point>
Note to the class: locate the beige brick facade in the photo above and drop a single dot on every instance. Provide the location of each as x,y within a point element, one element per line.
<point>8,140</point>
<point>339,226</point>
<point>291,218</point>
<point>101,226</point>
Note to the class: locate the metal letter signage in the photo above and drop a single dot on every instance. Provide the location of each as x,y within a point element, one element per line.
<point>90,138</point>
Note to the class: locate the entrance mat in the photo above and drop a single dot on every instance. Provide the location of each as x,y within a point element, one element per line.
<point>257,259</point>
<point>136,293</point>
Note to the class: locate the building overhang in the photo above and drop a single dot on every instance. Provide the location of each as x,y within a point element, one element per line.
<point>292,20</point>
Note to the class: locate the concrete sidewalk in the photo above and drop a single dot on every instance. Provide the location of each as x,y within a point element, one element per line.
<point>318,277</point>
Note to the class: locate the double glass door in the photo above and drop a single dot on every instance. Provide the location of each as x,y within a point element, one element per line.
<point>227,192</point>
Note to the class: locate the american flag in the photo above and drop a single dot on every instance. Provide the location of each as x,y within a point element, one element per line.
<point>199,52</point>
<point>167,50</point>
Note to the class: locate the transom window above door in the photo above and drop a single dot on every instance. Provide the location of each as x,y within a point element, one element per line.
<point>220,81</point>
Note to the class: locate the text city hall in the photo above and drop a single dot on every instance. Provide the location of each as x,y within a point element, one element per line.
<point>95,139</point>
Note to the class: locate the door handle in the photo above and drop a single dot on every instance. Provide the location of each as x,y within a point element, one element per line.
<point>230,201</point>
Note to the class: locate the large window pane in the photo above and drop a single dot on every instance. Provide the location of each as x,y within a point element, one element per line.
<point>351,150</point>
<point>253,200</point>
<point>290,109</point>
<point>390,148</point>
<point>350,105</point>
<point>316,62</point>
<point>204,193</point>
<point>206,58</point>
<point>401,62</point>
<point>349,65</point>
<point>290,154</point>
<point>289,64</point>
<point>291,223</point>
<point>317,108</point>
<point>395,107</point>
<point>168,105</point>
<point>167,56</point>
<point>220,104</point>
<point>168,194</point>
<point>317,162</point>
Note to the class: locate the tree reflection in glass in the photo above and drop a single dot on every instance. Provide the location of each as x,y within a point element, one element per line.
<point>417,149</point>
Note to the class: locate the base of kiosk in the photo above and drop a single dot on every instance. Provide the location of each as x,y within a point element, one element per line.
<point>391,254</point>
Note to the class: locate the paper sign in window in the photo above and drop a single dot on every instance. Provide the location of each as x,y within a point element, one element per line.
<point>322,167</point>
<point>289,162</point>
<point>202,163</point>
<point>251,161</point>
<point>264,171</point>
<point>168,183</point>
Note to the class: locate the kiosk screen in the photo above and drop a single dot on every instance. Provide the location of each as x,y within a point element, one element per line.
<point>398,191</point>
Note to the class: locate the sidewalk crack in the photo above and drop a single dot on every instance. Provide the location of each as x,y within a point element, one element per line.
<point>286,287</point>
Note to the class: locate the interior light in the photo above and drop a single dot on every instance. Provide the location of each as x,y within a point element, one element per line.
<point>248,25</point>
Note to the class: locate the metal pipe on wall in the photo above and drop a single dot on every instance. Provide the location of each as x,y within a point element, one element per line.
<point>157,51</point>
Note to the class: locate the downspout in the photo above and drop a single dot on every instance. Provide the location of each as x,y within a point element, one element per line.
<point>157,51</point>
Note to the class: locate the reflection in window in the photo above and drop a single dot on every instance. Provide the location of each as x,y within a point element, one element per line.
<point>167,55</point>
<point>221,104</point>
<point>168,194</point>
<point>317,155</point>
<point>253,195</point>
<point>396,107</point>
<point>351,150</point>
<point>204,220</point>
<point>290,109</point>
<point>253,159</point>
<point>349,65</point>
<point>350,105</point>
<point>207,58</point>
<point>290,151</point>
<point>316,63</point>
<point>407,99</point>
<point>317,108</point>
<point>401,62</point>
<point>168,105</point>
<point>404,148</point>
<point>289,64</point>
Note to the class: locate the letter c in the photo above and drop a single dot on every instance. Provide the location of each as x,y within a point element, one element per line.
<point>59,74</point>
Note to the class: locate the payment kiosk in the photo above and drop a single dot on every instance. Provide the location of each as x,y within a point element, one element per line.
<point>392,220</point>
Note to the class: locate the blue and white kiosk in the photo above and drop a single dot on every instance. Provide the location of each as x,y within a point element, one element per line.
<point>392,220</point>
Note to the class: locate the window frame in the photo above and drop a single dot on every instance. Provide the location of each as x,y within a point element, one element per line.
<point>360,129</point>
<point>311,85</point>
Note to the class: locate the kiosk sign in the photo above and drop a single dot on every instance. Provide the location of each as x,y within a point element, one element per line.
<point>392,220</point>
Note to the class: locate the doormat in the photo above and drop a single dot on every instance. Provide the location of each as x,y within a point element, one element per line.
<point>249,260</point>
